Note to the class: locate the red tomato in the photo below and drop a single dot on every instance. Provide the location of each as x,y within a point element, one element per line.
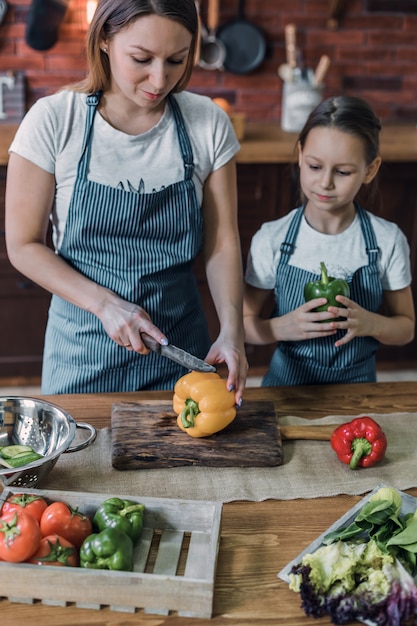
<point>55,550</point>
<point>27,502</point>
<point>61,519</point>
<point>20,536</point>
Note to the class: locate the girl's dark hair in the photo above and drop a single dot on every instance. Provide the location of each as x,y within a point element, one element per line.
<point>349,115</point>
<point>112,16</point>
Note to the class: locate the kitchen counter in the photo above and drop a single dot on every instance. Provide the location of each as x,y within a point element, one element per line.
<point>257,538</point>
<point>267,143</point>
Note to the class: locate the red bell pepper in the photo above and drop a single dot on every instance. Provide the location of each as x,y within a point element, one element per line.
<point>359,442</point>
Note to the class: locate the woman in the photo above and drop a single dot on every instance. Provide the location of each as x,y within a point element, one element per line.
<point>137,175</point>
<point>338,155</point>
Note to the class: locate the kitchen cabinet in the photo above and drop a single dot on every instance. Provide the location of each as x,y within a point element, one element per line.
<point>398,203</point>
<point>23,313</point>
<point>266,191</point>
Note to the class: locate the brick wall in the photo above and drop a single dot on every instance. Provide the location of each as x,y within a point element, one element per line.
<point>373,52</point>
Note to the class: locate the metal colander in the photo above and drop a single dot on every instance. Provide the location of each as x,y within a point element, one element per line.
<point>43,426</point>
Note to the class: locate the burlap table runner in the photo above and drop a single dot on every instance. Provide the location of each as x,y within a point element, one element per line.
<point>310,470</point>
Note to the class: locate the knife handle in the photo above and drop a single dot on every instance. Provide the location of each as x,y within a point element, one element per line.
<point>314,432</point>
<point>150,342</point>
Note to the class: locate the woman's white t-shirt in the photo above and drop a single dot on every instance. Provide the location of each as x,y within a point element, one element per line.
<point>51,136</point>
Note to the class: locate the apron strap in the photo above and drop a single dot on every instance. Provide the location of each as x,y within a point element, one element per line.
<point>184,140</point>
<point>369,235</point>
<point>92,102</point>
<point>287,246</point>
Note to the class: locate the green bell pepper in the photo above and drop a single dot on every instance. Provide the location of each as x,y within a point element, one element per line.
<point>327,287</point>
<point>109,549</point>
<point>125,515</point>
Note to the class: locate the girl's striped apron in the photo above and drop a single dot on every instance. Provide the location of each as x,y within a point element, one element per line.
<point>142,247</point>
<point>317,361</point>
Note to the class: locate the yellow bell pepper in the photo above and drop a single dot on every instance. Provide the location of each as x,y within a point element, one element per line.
<point>203,404</point>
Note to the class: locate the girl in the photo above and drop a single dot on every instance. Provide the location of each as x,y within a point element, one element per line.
<point>338,153</point>
<point>137,175</point>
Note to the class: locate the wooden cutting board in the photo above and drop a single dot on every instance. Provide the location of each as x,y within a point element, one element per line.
<point>145,435</point>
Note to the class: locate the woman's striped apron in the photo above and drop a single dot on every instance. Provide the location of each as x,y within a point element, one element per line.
<point>317,361</point>
<point>142,247</point>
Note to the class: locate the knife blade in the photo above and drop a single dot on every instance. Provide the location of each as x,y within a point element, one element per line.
<point>177,354</point>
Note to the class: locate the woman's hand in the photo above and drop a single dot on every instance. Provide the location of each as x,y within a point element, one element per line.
<point>225,350</point>
<point>124,322</point>
<point>223,264</point>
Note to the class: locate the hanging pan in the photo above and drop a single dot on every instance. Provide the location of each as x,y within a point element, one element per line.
<point>244,42</point>
<point>3,10</point>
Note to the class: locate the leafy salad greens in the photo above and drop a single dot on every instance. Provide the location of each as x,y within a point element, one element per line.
<point>365,570</point>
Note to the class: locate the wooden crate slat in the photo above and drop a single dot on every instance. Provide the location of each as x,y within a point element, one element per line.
<point>141,552</point>
<point>197,558</point>
<point>169,552</point>
<point>21,599</point>
<point>54,602</point>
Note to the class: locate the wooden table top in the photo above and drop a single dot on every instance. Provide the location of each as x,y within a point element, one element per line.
<point>257,538</point>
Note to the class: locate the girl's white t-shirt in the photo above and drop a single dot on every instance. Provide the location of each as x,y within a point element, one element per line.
<point>343,253</point>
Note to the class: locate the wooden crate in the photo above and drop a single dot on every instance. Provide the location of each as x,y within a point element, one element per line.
<point>175,562</point>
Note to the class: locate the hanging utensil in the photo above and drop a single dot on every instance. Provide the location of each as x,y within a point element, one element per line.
<point>244,42</point>
<point>212,50</point>
<point>199,34</point>
<point>321,69</point>
<point>286,70</point>
<point>291,49</point>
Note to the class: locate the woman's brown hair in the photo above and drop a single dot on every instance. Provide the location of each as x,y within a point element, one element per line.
<point>112,16</point>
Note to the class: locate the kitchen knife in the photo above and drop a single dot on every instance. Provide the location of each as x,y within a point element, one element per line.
<point>177,354</point>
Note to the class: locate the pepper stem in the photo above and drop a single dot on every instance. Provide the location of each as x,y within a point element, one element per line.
<point>360,448</point>
<point>324,274</point>
<point>189,412</point>
<point>133,508</point>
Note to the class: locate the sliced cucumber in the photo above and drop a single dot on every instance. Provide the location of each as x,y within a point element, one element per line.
<point>23,459</point>
<point>9,452</point>
<point>4,463</point>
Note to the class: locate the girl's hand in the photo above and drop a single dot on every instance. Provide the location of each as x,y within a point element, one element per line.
<point>304,323</point>
<point>124,322</point>
<point>357,321</point>
<point>233,354</point>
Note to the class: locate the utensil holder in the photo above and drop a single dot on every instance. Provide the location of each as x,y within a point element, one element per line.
<point>299,99</point>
